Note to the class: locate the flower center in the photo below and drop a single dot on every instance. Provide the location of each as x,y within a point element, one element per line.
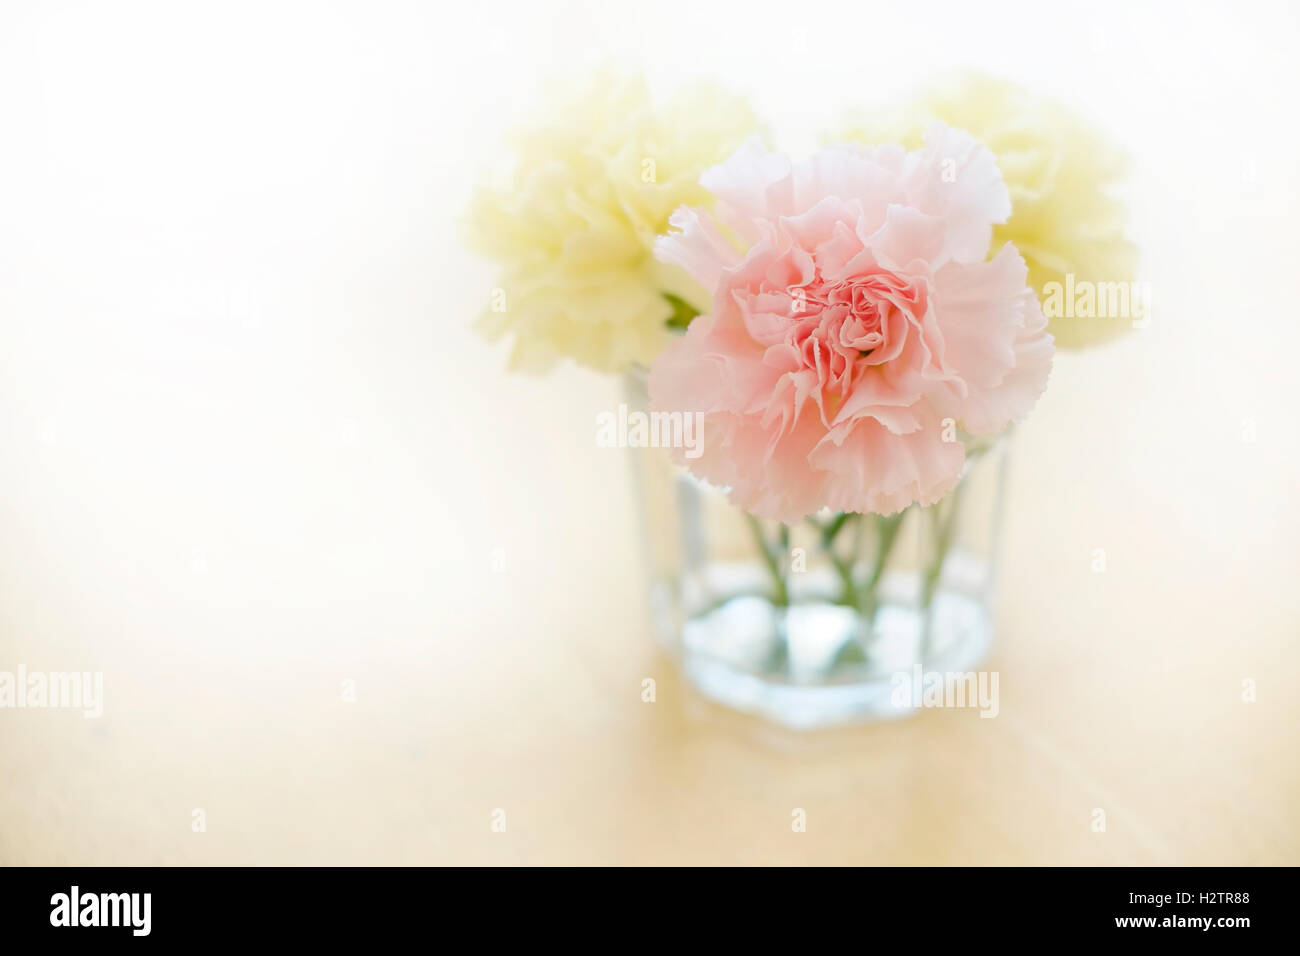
<point>837,325</point>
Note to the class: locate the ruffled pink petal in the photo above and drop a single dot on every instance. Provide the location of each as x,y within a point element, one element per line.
<point>850,174</point>
<point>698,247</point>
<point>956,178</point>
<point>990,410</point>
<point>873,469</point>
<point>753,186</point>
<point>995,338</point>
<point>908,237</point>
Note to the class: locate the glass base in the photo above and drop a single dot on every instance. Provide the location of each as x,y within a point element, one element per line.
<point>820,664</point>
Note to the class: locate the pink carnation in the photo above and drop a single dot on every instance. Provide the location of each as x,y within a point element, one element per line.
<point>863,325</point>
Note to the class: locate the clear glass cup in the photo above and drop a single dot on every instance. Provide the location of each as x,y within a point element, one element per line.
<point>829,621</point>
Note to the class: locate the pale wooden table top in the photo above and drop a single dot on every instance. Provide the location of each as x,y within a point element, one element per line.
<point>520,689</point>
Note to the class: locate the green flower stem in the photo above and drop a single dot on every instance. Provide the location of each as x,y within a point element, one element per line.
<point>844,569</point>
<point>829,531</point>
<point>780,593</point>
<point>944,525</point>
<point>887,527</point>
<point>864,599</point>
<point>848,587</point>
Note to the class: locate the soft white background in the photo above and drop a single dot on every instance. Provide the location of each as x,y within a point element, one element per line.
<point>249,447</point>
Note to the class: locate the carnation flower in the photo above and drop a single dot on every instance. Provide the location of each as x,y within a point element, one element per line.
<point>860,329</point>
<point>1058,171</point>
<point>574,226</point>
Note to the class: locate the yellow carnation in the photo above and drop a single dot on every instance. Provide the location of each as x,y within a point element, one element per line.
<point>595,182</point>
<point>1058,171</point>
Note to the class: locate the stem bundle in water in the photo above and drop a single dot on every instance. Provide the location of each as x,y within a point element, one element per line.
<point>861,591</point>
